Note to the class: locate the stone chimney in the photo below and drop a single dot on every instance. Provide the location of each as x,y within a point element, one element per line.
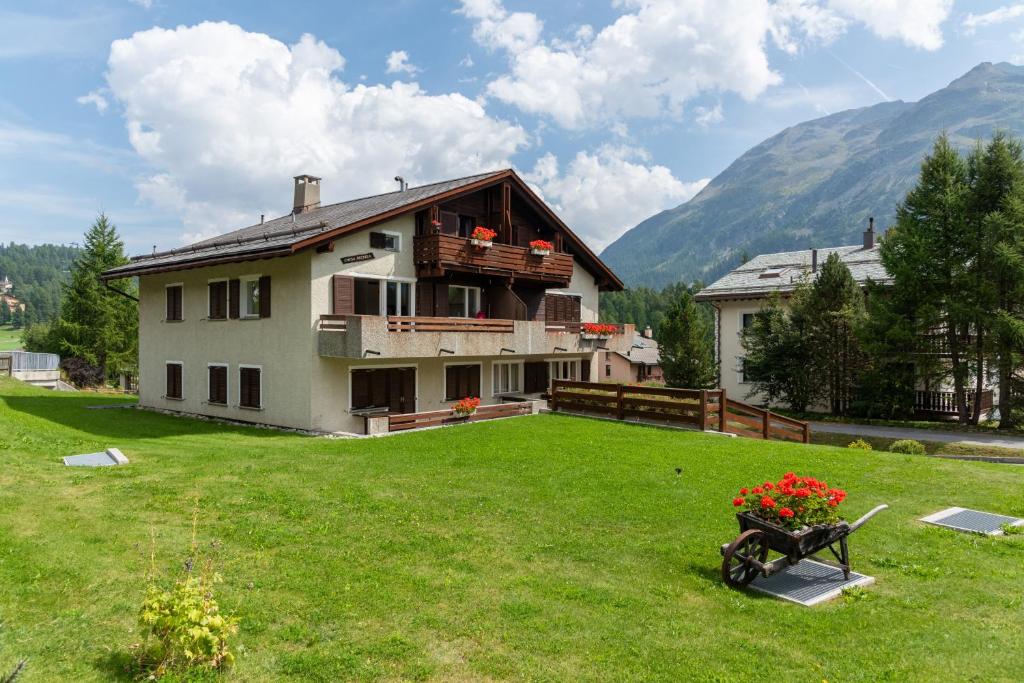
<point>307,193</point>
<point>648,332</point>
<point>869,234</point>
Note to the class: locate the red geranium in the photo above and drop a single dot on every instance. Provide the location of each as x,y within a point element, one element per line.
<point>784,512</point>
<point>792,502</point>
<point>483,234</point>
<point>600,328</point>
<point>739,501</point>
<point>767,502</point>
<point>541,244</point>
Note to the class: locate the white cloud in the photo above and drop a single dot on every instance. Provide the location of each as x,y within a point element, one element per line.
<point>917,23</point>
<point>708,116</point>
<point>398,62</point>
<point>495,27</point>
<point>972,22</point>
<point>601,195</point>
<point>466,62</point>
<point>94,98</point>
<point>144,4</point>
<point>226,117</point>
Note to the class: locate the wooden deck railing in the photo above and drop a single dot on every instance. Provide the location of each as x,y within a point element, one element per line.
<point>398,323</point>
<point>705,409</point>
<point>436,418</point>
<point>944,402</point>
<point>333,323</point>
<point>435,254</point>
<point>575,327</point>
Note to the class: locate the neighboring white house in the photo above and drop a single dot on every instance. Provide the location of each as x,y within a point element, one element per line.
<point>738,295</point>
<point>382,304</point>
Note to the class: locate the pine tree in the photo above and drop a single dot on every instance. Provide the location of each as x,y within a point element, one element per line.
<point>18,318</point>
<point>5,313</point>
<point>96,323</point>
<point>686,355</point>
<point>777,349</point>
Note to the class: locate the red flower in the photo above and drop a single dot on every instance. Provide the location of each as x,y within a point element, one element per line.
<point>785,512</point>
<point>833,503</point>
<point>483,234</point>
<point>541,244</point>
<point>767,502</point>
<point>769,486</point>
<point>744,491</point>
<point>738,501</point>
<point>758,490</point>
<point>803,493</point>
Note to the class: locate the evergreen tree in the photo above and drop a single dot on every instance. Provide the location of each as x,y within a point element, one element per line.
<point>18,318</point>
<point>97,324</point>
<point>928,253</point>
<point>5,313</point>
<point>777,350</point>
<point>686,355</point>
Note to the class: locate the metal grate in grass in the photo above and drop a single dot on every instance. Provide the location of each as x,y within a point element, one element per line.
<point>972,521</point>
<point>809,583</point>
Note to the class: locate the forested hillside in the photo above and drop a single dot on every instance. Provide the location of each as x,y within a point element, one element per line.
<point>644,306</point>
<point>37,273</point>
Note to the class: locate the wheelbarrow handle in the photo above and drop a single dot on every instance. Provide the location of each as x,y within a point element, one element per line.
<point>860,522</point>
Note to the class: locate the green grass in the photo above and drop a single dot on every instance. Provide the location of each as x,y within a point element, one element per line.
<point>10,338</point>
<point>957,448</point>
<point>537,548</point>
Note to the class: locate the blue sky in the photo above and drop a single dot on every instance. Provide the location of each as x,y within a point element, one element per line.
<point>186,119</point>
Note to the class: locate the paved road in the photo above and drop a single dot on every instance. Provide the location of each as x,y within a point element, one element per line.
<point>919,434</point>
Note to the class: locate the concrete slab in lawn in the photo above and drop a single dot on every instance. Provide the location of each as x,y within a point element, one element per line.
<point>809,583</point>
<point>107,458</point>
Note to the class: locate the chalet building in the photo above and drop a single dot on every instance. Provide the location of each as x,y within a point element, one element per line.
<point>640,363</point>
<point>738,295</point>
<point>329,314</point>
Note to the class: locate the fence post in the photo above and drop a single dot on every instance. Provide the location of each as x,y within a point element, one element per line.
<point>619,408</point>
<point>764,425</point>
<point>553,403</point>
<point>721,410</point>
<point>703,409</point>
<point>807,432</point>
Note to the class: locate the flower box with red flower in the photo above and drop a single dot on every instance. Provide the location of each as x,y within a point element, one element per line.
<point>482,237</point>
<point>466,406</point>
<point>541,247</point>
<point>598,330</point>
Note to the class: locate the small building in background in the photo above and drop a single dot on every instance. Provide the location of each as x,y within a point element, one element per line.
<point>642,363</point>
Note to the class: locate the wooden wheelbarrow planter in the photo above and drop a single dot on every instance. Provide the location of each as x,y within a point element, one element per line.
<point>747,555</point>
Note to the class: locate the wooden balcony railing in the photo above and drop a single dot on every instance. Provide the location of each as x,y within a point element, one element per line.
<point>944,402</point>
<point>332,323</point>
<point>435,254</point>
<point>576,327</point>
<point>424,324</point>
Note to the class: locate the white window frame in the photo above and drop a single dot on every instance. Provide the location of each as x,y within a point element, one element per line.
<point>382,295</point>
<point>182,285</point>
<point>243,304</point>
<point>739,320</point>
<point>182,365</point>
<point>578,367</point>
<point>398,241</point>
<point>444,379</point>
<point>740,377</point>
<point>239,391</point>
<point>479,300</point>
<point>416,381</point>
<point>227,299</point>
<point>494,366</point>
<point>227,389</point>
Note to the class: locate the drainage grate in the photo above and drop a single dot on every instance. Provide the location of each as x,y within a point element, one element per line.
<point>972,521</point>
<point>809,583</point>
<point>107,458</point>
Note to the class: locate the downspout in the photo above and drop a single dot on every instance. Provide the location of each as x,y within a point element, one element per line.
<point>718,341</point>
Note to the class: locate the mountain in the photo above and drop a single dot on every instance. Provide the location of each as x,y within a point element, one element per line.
<point>816,183</point>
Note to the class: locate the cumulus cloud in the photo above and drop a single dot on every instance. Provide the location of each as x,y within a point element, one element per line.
<point>917,23</point>
<point>603,194</point>
<point>708,116</point>
<point>226,117</point>
<point>94,98</point>
<point>398,62</point>
<point>972,21</point>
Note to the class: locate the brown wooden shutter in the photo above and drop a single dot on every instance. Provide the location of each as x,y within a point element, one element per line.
<point>249,387</point>
<point>408,400</point>
<point>234,298</point>
<point>462,381</point>
<point>425,299</point>
<point>264,286</point>
<point>441,299</point>
<point>218,384</point>
<point>343,295</point>
<point>218,300</point>
<point>585,370</point>
<point>575,308</point>
<point>173,389</point>
<point>174,305</point>
<point>361,389</point>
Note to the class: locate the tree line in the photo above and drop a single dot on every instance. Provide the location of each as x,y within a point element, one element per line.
<point>38,272</point>
<point>951,312</point>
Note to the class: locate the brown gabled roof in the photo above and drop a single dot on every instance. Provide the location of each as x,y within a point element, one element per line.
<point>293,232</point>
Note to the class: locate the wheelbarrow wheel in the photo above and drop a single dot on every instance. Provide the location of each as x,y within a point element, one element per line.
<point>743,558</point>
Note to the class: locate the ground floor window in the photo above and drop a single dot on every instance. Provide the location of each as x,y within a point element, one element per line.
<point>173,388</point>
<point>565,369</point>
<point>391,389</point>
<point>218,384</point>
<point>506,378</point>
<point>461,381</point>
<point>250,386</point>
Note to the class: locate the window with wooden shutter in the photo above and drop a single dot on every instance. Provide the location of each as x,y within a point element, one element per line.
<point>174,305</point>
<point>561,308</point>
<point>234,298</point>
<point>218,384</point>
<point>449,223</point>
<point>264,295</point>
<point>343,295</point>
<point>367,297</point>
<point>249,388</point>
<point>424,299</point>
<point>461,381</point>
<point>173,388</point>
<point>218,294</point>
<point>393,389</point>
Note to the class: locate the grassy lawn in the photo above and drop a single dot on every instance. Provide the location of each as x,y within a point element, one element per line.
<point>537,548</point>
<point>10,338</point>
<point>931,447</point>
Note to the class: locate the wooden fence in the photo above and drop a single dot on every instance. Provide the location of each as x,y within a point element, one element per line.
<point>705,409</point>
<point>436,418</point>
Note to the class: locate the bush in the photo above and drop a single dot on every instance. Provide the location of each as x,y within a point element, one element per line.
<point>908,446</point>
<point>81,373</point>
<point>860,444</point>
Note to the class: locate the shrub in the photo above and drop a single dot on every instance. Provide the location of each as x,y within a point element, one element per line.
<point>81,373</point>
<point>860,444</point>
<point>793,502</point>
<point>908,446</point>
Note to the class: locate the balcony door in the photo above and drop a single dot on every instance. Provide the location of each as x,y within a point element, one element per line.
<point>391,389</point>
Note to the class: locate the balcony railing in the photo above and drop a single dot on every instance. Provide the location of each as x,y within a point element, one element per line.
<point>427,324</point>
<point>578,327</point>
<point>944,402</point>
<point>435,254</point>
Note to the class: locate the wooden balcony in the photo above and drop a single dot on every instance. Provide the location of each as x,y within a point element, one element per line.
<point>942,404</point>
<point>437,254</point>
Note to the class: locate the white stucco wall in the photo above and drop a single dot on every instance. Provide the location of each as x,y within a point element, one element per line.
<point>582,284</point>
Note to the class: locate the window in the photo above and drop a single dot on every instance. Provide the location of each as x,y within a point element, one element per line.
<point>775,271</point>
<point>741,369</point>
<point>461,381</point>
<point>388,241</point>
<point>250,387</point>
<point>173,389</point>
<point>565,369</point>
<point>608,370</point>
<point>390,389</point>
<point>218,384</point>
<point>398,298</point>
<point>367,297</point>
<point>218,299</point>
<point>746,320</point>
<point>505,378</point>
<point>249,292</point>
<point>463,302</point>
<point>174,296</point>
<point>466,225</point>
